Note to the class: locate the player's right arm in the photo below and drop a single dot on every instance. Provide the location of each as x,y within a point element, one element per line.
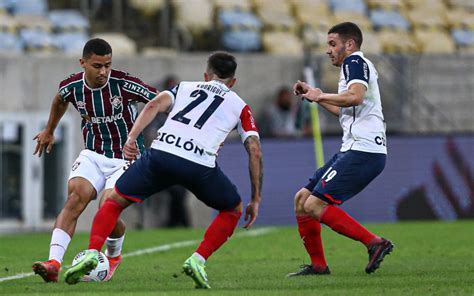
<point>161,103</point>
<point>45,138</point>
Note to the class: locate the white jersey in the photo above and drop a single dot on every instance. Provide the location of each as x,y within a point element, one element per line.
<point>363,125</point>
<point>201,117</point>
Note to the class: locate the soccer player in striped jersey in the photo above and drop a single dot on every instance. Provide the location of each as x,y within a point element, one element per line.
<point>202,114</point>
<point>360,160</point>
<point>106,100</point>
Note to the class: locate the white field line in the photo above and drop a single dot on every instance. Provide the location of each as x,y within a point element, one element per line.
<point>157,249</point>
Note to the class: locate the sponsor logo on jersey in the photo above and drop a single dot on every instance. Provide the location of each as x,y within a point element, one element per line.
<point>64,92</point>
<point>106,119</point>
<point>252,120</point>
<point>178,142</point>
<point>136,88</point>
<point>355,61</point>
<point>116,102</point>
<point>75,165</point>
<point>380,141</point>
<point>81,105</point>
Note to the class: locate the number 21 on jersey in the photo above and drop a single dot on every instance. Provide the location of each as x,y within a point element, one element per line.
<point>200,96</point>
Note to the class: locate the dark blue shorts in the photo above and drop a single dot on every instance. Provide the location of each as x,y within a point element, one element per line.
<point>345,175</point>
<point>157,170</point>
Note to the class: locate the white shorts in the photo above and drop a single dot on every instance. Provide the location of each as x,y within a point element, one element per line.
<point>102,172</point>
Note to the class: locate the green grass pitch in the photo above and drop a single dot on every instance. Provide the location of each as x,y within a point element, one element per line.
<point>430,258</point>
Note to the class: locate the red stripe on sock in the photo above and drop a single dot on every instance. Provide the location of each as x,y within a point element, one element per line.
<point>310,233</point>
<point>221,228</point>
<point>344,224</point>
<point>104,222</point>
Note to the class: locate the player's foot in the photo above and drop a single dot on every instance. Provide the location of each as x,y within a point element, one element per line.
<point>308,269</point>
<point>81,268</point>
<point>114,263</point>
<point>376,254</point>
<point>194,268</point>
<point>48,270</point>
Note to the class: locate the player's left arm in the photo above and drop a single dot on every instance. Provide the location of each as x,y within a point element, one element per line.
<point>161,103</point>
<point>249,133</point>
<point>254,151</point>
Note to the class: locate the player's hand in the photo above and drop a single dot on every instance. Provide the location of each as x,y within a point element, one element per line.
<point>130,150</point>
<point>44,139</point>
<point>301,88</point>
<point>251,213</point>
<point>313,94</point>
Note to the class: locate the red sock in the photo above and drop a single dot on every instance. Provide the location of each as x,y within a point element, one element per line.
<point>341,222</point>
<point>104,222</point>
<point>218,232</point>
<point>310,233</point>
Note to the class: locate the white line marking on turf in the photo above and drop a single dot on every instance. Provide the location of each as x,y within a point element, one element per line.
<point>16,276</point>
<point>157,249</point>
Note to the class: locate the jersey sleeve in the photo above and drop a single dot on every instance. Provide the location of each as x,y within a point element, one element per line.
<point>356,70</point>
<point>139,90</point>
<point>172,92</point>
<point>246,126</point>
<point>66,89</point>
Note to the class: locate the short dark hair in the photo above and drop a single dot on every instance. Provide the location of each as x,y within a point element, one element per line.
<point>348,30</point>
<point>96,46</point>
<point>222,64</point>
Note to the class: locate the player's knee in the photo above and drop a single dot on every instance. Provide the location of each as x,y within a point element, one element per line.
<point>76,202</point>
<point>299,201</point>
<point>313,207</point>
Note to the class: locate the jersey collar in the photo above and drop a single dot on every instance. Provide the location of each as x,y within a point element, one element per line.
<point>98,88</point>
<point>220,84</point>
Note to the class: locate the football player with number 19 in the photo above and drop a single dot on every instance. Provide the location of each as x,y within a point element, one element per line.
<point>106,100</point>
<point>360,160</point>
<point>184,152</point>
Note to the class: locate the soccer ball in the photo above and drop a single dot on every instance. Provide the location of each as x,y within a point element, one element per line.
<point>98,274</point>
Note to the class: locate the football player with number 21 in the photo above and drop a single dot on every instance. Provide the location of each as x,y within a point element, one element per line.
<point>201,115</point>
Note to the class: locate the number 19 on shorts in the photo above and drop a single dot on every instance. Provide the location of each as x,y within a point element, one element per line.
<point>329,174</point>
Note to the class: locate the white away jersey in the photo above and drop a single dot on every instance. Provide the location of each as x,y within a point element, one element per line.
<point>363,125</point>
<point>202,115</point>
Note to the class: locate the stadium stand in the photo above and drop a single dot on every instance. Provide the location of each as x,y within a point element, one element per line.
<point>354,6</point>
<point>386,4</point>
<point>239,5</point>
<point>383,19</point>
<point>10,43</point>
<point>30,7</point>
<point>282,43</point>
<point>434,41</point>
<point>464,39</point>
<point>397,42</point>
<point>147,7</point>
<point>186,15</point>
<point>240,30</point>
<point>121,44</point>
<point>246,25</point>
